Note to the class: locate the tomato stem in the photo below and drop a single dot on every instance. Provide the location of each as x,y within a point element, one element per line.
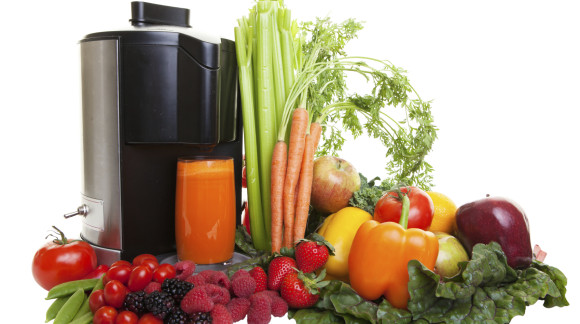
<point>406,204</point>
<point>63,240</point>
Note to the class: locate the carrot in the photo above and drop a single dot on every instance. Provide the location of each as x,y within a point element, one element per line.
<point>279,158</point>
<point>305,188</point>
<point>295,153</point>
<point>315,132</point>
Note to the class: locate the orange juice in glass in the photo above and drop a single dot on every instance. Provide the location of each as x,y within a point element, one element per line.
<point>205,209</point>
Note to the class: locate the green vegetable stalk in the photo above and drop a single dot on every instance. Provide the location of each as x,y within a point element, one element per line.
<point>265,52</point>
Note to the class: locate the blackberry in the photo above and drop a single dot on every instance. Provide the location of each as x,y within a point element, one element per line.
<point>200,318</point>
<point>159,303</point>
<point>176,288</point>
<point>177,316</point>
<point>135,302</point>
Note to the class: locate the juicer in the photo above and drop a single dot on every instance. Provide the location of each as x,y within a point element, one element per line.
<point>151,93</point>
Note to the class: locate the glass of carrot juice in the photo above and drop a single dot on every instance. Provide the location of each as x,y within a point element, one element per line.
<point>205,209</point>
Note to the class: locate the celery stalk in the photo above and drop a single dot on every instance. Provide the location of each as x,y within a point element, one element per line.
<point>244,56</point>
<point>277,63</point>
<point>266,105</point>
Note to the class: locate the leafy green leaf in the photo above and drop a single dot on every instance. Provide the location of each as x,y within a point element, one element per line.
<point>486,290</point>
<point>368,195</point>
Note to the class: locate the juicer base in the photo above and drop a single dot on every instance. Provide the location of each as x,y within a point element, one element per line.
<point>171,258</point>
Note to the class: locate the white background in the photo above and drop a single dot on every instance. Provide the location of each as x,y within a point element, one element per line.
<point>503,77</point>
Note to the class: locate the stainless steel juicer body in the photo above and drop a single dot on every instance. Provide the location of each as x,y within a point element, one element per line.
<point>150,94</point>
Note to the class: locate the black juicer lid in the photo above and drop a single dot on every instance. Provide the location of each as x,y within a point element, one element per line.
<point>146,14</point>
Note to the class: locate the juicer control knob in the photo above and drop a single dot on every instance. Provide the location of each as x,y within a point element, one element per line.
<point>82,211</point>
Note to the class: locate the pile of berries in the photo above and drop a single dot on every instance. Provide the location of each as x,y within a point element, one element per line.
<point>144,292</point>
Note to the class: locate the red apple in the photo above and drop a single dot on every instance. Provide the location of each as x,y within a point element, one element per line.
<point>496,219</point>
<point>334,181</point>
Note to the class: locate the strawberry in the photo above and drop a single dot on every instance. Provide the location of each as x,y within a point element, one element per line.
<point>312,255</point>
<point>246,218</point>
<point>301,290</point>
<point>279,267</point>
<point>260,277</point>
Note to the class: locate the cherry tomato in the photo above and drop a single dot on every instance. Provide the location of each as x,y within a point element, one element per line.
<point>120,272</point>
<point>149,319</point>
<point>98,272</point>
<point>115,293</point>
<point>164,271</point>
<point>121,262</point>
<point>140,277</point>
<point>97,300</point>
<point>141,257</point>
<point>388,208</point>
<point>105,315</point>
<point>127,317</point>
<point>62,260</point>
<point>151,263</point>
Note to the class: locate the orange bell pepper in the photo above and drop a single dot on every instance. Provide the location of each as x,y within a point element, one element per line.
<point>380,253</point>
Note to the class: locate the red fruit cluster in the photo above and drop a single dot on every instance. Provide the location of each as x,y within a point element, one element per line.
<point>295,278</point>
<point>232,299</point>
<point>144,273</point>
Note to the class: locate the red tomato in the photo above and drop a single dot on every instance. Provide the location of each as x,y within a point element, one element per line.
<point>388,208</point>
<point>120,272</point>
<point>127,317</point>
<point>97,300</point>
<point>121,262</point>
<point>142,257</point>
<point>62,260</point>
<point>151,263</point>
<point>115,293</point>
<point>140,277</point>
<point>149,319</point>
<point>98,272</point>
<point>105,315</point>
<point>164,271</point>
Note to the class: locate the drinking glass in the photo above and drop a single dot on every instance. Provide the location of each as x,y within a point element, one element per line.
<point>205,209</point>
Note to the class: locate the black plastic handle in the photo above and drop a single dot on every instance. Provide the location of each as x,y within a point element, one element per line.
<point>146,14</point>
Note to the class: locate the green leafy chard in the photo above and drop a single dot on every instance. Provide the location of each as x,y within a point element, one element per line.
<point>486,290</point>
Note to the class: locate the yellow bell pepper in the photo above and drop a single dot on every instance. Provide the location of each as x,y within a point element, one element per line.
<point>339,230</point>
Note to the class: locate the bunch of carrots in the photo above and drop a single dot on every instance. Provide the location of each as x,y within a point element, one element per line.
<point>292,173</point>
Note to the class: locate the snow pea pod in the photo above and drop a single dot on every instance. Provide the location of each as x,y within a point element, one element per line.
<point>70,308</point>
<point>68,288</point>
<point>86,318</point>
<point>85,307</point>
<point>54,308</point>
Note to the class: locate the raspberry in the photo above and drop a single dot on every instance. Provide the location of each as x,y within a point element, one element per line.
<point>279,306</point>
<point>151,287</point>
<point>159,303</point>
<point>260,277</point>
<point>184,269</point>
<point>176,288</point>
<point>243,286</point>
<point>219,278</point>
<point>196,280</point>
<point>207,274</point>
<point>260,309</point>
<point>238,308</point>
<point>271,293</point>
<point>221,315</point>
<point>218,294</point>
<point>239,273</point>
<point>196,300</point>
